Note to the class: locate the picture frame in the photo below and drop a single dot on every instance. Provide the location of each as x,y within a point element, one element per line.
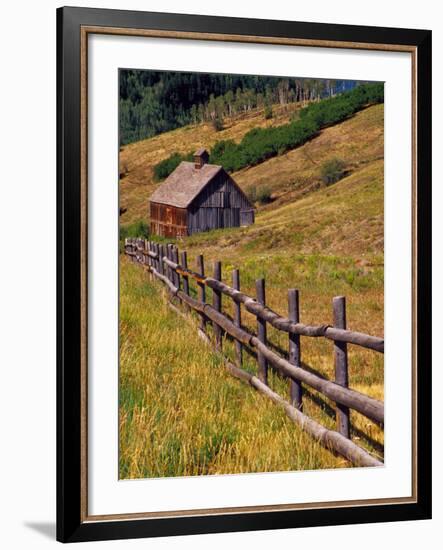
<point>74,212</point>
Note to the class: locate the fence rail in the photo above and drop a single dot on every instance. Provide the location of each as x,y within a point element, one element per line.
<point>163,263</point>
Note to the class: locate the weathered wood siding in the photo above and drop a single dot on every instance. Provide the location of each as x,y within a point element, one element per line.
<point>247,216</point>
<point>218,205</point>
<point>167,220</point>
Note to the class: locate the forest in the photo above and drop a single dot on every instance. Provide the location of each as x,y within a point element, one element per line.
<point>152,102</point>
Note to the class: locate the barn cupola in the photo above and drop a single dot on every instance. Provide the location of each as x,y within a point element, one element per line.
<point>201,157</point>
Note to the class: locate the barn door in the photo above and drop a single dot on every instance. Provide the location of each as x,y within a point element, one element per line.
<point>247,216</point>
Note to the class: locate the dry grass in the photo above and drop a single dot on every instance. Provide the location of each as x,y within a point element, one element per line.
<point>345,218</point>
<point>181,413</point>
<point>358,141</point>
<point>169,378</point>
<point>137,160</point>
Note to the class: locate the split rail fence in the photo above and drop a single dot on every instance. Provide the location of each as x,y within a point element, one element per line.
<point>166,264</point>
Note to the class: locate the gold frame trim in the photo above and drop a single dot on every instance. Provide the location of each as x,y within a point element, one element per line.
<point>84,32</point>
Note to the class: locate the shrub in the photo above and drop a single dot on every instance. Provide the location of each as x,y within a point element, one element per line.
<point>268,112</point>
<point>139,229</point>
<point>332,170</point>
<point>264,195</point>
<point>252,195</point>
<point>166,166</point>
<point>217,124</point>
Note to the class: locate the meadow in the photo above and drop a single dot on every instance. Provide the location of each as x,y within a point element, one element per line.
<point>180,411</point>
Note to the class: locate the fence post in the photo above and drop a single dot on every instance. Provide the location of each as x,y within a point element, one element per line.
<point>341,363</point>
<point>261,332</point>
<point>168,269</point>
<point>295,387</point>
<point>154,260</point>
<point>148,259</point>
<point>217,304</point>
<point>201,289</point>
<point>237,317</point>
<point>161,253</point>
<point>184,263</point>
<point>141,251</point>
<point>175,259</point>
<point>136,250</point>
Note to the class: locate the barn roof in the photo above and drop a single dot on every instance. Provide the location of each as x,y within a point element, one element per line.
<point>182,186</point>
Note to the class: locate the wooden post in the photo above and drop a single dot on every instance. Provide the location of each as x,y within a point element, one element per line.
<point>261,332</point>
<point>136,250</point>
<point>341,364</point>
<point>184,264</point>
<point>295,387</point>
<point>148,248</point>
<point>168,269</point>
<point>201,289</point>
<point>237,317</point>
<point>140,251</point>
<point>175,259</point>
<point>153,260</point>
<point>147,257</point>
<point>161,253</point>
<point>154,247</point>
<point>217,304</point>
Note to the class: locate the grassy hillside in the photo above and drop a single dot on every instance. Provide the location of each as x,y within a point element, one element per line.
<point>137,160</point>
<point>324,240</point>
<point>181,413</point>
<point>358,141</point>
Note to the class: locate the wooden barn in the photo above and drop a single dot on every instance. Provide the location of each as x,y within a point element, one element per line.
<point>197,197</point>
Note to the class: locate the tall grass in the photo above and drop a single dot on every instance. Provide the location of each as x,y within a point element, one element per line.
<point>180,411</point>
<point>182,414</point>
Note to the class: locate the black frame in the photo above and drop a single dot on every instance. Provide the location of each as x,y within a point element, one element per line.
<point>69,525</point>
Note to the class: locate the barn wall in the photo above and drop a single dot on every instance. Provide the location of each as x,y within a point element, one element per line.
<point>168,221</point>
<point>247,216</point>
<point>220,190</point>
<point>220,204</point>
<point>204,219</point>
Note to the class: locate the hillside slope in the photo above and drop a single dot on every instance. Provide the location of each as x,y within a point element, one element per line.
<point>181,413</point>
<point>343,219</point>
<point>358,141</point>
<point>323,240</point>
<point>137,160</point>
